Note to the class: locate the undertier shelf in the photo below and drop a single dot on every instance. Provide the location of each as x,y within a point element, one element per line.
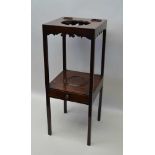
<point>74,86</point>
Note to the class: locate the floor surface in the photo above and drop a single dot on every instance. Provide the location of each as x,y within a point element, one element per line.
<point>70,130</point>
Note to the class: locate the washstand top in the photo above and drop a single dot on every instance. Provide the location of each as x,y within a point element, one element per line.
<point>89,28</point>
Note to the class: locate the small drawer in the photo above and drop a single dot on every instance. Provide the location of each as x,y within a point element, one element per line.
<point>68,96</point>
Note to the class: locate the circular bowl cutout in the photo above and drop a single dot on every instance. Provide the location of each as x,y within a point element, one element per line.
<point>75,81</point>
<point>68,18</point>
<point>96,20</point>
<point>75,22</point>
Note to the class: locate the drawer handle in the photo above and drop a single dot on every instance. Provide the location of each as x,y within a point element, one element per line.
<point>66,96</point>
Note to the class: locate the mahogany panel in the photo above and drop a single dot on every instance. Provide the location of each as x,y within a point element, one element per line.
<point>83,27</point>
<point>75,85</point>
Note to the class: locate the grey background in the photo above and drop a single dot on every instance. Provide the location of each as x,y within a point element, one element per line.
<point>78,50</point>
<point>70,130</point>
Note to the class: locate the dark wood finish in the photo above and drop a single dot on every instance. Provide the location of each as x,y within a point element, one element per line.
<point>103,52</point>
<point>48,107</point>
<point>102,73</point>
<point>65,106</point>
<point>100,105</point>
<point>64,51</point>
<point>59,88</point>
<point>91,30</point>
<point>72,85</point>
<point>92,81</point>
<point>64,65</point>
<point>46,69</point>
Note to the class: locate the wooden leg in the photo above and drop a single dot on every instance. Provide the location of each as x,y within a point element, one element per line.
<point>92,58</point>
<point>89,125</point>
<point>64,65</point>
<point>48,115</point>
<point>102,72</point>
<point>46,68</point>
<point>100,105</point>
<point>65,106</point>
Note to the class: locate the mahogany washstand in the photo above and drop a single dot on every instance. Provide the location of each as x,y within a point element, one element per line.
<point>73,85</point>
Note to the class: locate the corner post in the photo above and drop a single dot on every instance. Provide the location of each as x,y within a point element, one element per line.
<point>102,73</point>
<point>92,58</point>
<point>64,66</point>
<point>46,70</point>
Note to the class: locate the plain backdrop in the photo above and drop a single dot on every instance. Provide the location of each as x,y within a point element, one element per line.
<point>139,84</point>
<point>70,131</point>
<point>78,50</point>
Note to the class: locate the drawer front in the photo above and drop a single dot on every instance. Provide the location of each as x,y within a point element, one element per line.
<point>68,96</point>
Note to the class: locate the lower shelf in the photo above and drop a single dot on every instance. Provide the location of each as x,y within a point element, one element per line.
<point>74,86</point>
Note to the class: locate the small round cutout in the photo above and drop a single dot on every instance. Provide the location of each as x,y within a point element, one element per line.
<point>68,18</point>
<point>75,81</point>
<point>75,22</point>
<point>96,20</point>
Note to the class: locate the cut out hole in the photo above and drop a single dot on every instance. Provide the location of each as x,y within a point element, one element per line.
<point>69,18</point>
<point>96,20</point>
<point>75,22</point>
<point>75,81</point>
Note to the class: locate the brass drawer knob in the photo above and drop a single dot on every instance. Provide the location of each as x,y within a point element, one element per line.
<point>66,96</point>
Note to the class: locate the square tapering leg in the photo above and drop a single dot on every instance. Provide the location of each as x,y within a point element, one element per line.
<point>48,116</point>
<point>89,125</point>
<point>100,105</point>
<point>64,65</point>
<point>65,106</point>
<point>102,72</point>
<point>92,59</point>
<point>46,69</point>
